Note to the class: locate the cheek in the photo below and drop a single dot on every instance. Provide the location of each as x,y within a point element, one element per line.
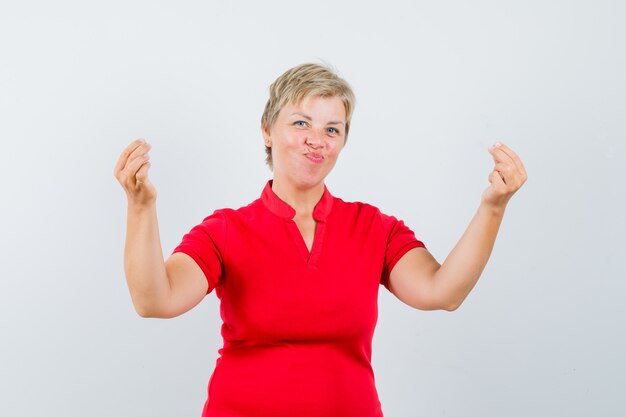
<point>334,146</point>
<point>294,139</point>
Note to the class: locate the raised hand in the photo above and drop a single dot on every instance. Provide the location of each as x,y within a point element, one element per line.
<point>131,171</point>
<point>507,177</point>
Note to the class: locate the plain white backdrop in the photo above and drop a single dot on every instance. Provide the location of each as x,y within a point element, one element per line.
<point>542,334</point>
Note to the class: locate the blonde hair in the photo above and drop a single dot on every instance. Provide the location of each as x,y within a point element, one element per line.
<point>299,83</point>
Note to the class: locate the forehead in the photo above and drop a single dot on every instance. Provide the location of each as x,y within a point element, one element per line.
<point>316,107</point>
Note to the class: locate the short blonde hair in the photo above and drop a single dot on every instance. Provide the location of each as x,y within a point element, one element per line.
<point>299,83</point>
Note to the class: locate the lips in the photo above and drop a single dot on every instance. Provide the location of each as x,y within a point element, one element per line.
<point>314,157</point>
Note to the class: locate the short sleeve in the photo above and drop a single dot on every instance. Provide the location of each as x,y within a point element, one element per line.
<point>400,239</point>
<point>205,244</point>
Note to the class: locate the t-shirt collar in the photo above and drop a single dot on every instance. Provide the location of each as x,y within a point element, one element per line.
<point>284,210</point>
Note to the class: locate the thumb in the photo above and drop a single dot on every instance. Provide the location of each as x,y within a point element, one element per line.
<point>495,178</point>
<point>142,174</point>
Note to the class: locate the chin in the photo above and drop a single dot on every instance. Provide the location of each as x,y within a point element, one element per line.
<point>305,176</point>
<point>311,179</point>
<point>309,182</point>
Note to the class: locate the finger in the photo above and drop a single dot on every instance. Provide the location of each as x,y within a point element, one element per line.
<point>496,179</point>
<point>506,165</point>
<point>498,153</point>
<point>508,151</point>
<point>131,169</point>
<point>142,149</point>
<point>514,157</point>
<point>502,177</point>
<point>511,175</point>
<point>123,159</point>
<point>507,170</point>
<point>142,173</point>
<point>141,154</point>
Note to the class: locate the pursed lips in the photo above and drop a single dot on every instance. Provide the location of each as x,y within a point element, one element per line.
<point>314,157</point>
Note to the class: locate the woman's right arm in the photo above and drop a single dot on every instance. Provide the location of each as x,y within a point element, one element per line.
<point>157,288</point>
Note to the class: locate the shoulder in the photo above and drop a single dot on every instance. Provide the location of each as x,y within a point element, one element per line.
<point>360,214</point>
<point>225,218</point>
<point>368,216</point>
<point>361,210</point>
<point>249,210</point>
<point>354,207</point>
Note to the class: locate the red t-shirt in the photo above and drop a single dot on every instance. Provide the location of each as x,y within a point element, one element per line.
<point>297,326</point>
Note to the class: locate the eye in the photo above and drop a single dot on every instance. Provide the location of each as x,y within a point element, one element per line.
<point>300,123</point>
<point>332,130</point>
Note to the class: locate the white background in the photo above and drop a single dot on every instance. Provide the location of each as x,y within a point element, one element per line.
<point>542,334</point>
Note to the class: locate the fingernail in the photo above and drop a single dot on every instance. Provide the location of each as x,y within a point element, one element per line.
<point>497,144</point>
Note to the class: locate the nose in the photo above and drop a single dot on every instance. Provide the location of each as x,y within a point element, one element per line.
<point>315,139</point>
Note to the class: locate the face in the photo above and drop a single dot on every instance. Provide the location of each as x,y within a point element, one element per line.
<point>306,139</point>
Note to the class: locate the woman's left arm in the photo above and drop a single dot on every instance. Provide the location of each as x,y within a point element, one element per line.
<point>418,279</point>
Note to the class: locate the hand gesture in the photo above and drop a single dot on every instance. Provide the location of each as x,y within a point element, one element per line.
<point>507,177</point>
<point>131,171</point>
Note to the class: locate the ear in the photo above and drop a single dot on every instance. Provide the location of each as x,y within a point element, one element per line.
<point>267,138</point>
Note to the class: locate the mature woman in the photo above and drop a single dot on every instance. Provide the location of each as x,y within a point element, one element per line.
<point>298,270</point>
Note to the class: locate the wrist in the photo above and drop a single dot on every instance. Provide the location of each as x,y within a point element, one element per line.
<point>491,209</point>
<point>141,207</point>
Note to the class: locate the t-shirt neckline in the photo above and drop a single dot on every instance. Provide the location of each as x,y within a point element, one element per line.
<point>282,209</point>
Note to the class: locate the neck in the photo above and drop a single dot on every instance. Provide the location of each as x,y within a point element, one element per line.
<point>303,200</point>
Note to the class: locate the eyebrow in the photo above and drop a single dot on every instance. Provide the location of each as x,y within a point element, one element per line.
<point>304,116</point>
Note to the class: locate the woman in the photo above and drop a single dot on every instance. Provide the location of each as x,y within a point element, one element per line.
<point>298,270</point>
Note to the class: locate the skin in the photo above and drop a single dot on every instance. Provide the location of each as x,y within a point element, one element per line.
<point>419,281</point>
<point>158,288</point>
<point>306,140</point>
